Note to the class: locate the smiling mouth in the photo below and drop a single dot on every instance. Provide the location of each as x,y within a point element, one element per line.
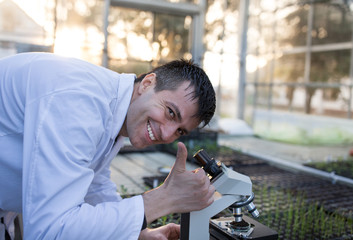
<point>150,133</point>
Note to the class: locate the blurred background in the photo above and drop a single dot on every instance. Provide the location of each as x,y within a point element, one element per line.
<point>283,68</point>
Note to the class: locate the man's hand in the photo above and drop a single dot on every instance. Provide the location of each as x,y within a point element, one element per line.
<point>182,191</point>
<point>189,190</point>
<point>170,231</point>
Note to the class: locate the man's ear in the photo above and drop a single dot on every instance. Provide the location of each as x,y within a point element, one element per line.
<point>149,81</point>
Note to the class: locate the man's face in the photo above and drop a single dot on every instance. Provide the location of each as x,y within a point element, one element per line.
<point>159,117</point>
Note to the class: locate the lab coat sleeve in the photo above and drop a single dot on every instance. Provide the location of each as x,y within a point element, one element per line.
<point>62,132</point>
<point>102,189</point>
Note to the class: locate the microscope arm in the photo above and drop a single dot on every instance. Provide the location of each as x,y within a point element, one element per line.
<point>230,187</point>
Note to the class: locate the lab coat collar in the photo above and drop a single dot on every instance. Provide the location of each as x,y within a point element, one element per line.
<point>125,88</point>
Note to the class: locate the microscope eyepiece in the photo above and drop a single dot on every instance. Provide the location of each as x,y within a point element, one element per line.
<point>209,164</point>
<point>202,157</point>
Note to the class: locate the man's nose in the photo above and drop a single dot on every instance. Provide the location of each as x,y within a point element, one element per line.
<point>169,132</point>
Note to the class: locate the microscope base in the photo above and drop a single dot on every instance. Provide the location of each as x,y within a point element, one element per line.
<point>259,231</point>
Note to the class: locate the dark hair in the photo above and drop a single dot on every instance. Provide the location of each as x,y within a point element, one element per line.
<point>171,75</point>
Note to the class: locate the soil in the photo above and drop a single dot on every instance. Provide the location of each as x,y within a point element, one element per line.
<point>295,204</point>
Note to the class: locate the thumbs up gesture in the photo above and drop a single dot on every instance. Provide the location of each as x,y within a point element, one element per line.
<point>189,190</point>
<point>182,191</point>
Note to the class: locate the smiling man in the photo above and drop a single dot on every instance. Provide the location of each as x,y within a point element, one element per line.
<point>62,122</point>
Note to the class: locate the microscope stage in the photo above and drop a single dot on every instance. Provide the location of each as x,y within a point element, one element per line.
<point>221,229</point>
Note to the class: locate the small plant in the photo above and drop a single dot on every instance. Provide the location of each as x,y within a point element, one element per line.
<point>294,218</point>
<point>170,218</point>
<point>123,190</point>
<point>341,166</point>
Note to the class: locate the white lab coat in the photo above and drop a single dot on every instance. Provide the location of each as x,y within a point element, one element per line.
<point>59,118</point>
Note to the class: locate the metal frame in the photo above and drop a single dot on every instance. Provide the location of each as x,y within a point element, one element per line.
<point>197,11</point>
<point>244,16</point>
<point>308,50</point>
<point>159,6</point>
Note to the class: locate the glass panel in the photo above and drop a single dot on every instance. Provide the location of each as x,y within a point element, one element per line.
<point>290,68</point>
<point>250,95</point>
<point>252,75</point>
<point>265,73</point>
<point>283,98</point>
<point>79,29</point>
<point>228,73</point>
<point>221,27</point>
<point>292,25</point>
<point>26,22</point>
<point>130,34</point>
<point>183,1</point>
<point>286,3</point>
<point>330,102</point>
<point>296,99</point>
<point>7,49</point>
<point>255,39</point>
<point>267,32</point>
<point>131,66</point>
<point>258,68</point>
<point>263,93</point>
<point>276,23</point>
<point>332,66</point>
<point>171,37</point>
<point>143,36</point>
<point>254,35</point>
<point>221,56</point>
<point>261,36</point>
<point>228,106</point>
<point>332,23</point>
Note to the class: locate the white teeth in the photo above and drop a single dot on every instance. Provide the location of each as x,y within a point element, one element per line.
<point>150,133</point>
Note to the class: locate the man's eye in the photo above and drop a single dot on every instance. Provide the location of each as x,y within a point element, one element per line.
<point>180,131</point>
<point>171,113</point>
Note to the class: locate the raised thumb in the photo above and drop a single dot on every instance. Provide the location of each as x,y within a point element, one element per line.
<point>181,157</point>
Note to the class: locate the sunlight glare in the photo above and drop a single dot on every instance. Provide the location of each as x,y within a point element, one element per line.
<point>69,41</point>
<point>118,51</point>
<point>139,47</point>
<point>215,12</point>
<point>34,9</point>
<point>253,63</point>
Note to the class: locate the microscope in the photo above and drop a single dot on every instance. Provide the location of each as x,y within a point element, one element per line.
<point>233,190</point>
